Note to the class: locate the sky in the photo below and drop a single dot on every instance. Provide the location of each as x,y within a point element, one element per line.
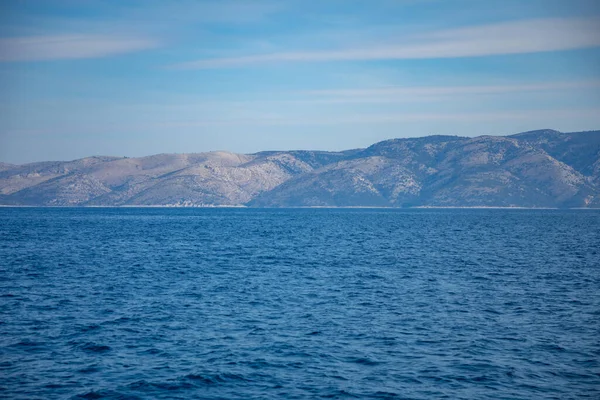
<point>132,78</point>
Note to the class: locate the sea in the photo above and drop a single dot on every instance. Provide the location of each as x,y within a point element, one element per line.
<point>205,303</point>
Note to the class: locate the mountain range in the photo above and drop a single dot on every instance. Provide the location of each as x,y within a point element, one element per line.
<point>543,168</point>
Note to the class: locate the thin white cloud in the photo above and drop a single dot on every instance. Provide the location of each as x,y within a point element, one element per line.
<point>408,92</point>
<point>55,47</point>
<point>383,94</point>
<point>378,118</point>
<point>515,37</point>
<point>549,117</point>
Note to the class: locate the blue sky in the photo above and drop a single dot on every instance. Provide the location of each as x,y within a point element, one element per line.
<point>133,78</point>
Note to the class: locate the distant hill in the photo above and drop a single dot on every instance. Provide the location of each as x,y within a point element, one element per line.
<point>543,168</point>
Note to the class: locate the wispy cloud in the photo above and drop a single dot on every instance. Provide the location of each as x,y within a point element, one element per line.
<point>514,37</point>
<point>391,93</point>
<point>377,118</point>
<point>55,47</point>
<point>380,94</point>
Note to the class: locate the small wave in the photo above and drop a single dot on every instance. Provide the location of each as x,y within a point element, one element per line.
<point>89,369</point>
<point>338,377</point>
<point>54,386</point>
<point>104,394</point>
<point>339,394</point>
<point>94,348</point>
<point>384,395</point>
<point>151,386</point>
<point>91,395</point>
<point>365,361</point>
<point>152,351</point>
<point>208,380</point>
<point>28,344</point>
<point>88,328</point>
<point>215,379</point>
<point>552,347</point>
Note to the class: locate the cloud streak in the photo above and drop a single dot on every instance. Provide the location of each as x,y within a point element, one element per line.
<point>515,37</point>
<point>378,118</point>
<point>57,47</point>
<point>410,93</point>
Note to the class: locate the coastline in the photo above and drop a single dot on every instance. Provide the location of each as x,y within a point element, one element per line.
<point>311,207</point>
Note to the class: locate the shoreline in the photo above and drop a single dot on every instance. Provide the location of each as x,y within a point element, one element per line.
<point>314,207</point>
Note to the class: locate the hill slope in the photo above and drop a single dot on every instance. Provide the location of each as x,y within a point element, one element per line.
<point>542,168</point>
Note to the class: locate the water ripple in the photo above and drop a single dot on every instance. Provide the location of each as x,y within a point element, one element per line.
<point>255,304</point>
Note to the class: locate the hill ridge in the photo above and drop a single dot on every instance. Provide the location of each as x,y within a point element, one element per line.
<point>540,168</point>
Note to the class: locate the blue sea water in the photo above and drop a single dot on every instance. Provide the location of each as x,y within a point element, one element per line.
<point>301,303</point>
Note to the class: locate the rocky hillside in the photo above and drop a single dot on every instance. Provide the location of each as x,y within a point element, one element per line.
<point>542,168</point>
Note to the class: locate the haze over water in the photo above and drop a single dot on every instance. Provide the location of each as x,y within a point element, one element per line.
<point>299,303</point>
